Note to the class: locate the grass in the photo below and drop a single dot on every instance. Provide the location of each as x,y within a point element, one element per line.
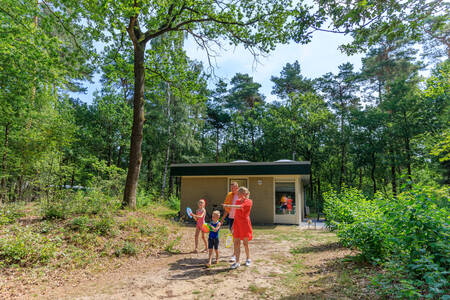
<point>77,241</point>
<point>317,266</point>
<point>257,290</point>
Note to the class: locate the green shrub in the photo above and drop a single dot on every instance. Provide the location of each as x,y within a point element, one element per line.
<point>94,202</point>
<point>9,213</point>
<point>56,203</point>
<point>103,225</point>
<point>24,247</point>
<point>80,223</point>
<point>347,207</point>
<point>171,245</point>
<point>144,198</point>
<point>54,211</point>
<point>129,249</point>
<point>407,235</point>
<point>174,202</point>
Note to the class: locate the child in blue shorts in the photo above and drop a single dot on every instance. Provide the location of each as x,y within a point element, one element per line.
<point>213,239</point>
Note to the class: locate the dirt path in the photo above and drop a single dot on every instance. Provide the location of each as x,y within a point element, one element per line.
<point>275,273</point>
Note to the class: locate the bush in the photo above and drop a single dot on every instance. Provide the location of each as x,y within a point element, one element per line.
<point>9,213</point>
<point>347,207</point>
<point>103,225</point>
<point>407,235</point>
<point>144,198</point>
<point>80,223</point>
<point>94,202</point>
<point>54,211</point>
<point>174,202</point>
<point>24,247</point>
<point>129,249</point>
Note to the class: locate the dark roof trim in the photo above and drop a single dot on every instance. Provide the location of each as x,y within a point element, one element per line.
<point>251,168</point>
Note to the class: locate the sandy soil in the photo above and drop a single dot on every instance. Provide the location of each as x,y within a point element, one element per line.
<point>184,275</point>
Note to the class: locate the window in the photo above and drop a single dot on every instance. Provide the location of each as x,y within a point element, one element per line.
<point>240,182</point>
<point>285,198</point>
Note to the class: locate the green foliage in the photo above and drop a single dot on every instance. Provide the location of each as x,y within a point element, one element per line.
<point>101,198</point>
<point>23,247</point>
<point>145,198</point>
<point>173,202</point>
<point>358,222</point>
<point>129,249</point>
<point>407,235</point>
<point>10,212</point>
<point>170,246</point>
<point>55,207</point>
<point>80,223</point>
<point>103,225</point>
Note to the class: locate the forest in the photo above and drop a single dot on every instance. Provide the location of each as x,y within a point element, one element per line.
<point>380,131</point>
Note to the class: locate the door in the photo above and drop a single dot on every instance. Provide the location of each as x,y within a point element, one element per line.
<point>286,206</point>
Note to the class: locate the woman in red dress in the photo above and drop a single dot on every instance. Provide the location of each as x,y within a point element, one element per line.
<point>242,226</point>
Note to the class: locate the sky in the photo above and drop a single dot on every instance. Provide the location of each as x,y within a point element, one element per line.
<point>316,58</point>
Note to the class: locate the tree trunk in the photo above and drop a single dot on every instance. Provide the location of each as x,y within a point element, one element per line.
<point>163,188</point>
<point>72,178</point>
<point>134,166</point>
<point>372,173</point>
<point>217,145</point>
<point>408,157</point>
<point>170,186</point>
<point>5,156</point>
<point>20,188</point>
<point>360,178</point>
<point>311,187</point>
<point>393,175</point>
<point>109,154</point>
<point>149,173</point>
<point>319,194</point>
<point>341,177</point>
<point>253,142</point>
<point>119,156</point>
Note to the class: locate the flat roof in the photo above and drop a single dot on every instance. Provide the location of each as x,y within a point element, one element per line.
<point>242,168</point>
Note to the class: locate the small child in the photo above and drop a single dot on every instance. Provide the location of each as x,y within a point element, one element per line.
<point>199,216</point>
<point>213,239</point>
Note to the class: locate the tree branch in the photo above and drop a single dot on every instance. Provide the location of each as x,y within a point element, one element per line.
<point>14,18</point>
<point>64,26</point>
<point>149,35</point>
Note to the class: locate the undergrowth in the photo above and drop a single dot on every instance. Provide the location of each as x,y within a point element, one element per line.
<point>76,228</point>
<point>408,236</point>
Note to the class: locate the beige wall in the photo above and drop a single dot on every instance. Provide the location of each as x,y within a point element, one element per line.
<point>213,189</point>
<point>262,196</point>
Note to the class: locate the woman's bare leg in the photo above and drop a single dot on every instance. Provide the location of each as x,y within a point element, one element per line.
<point>247,250</point>
<point>237,249</point>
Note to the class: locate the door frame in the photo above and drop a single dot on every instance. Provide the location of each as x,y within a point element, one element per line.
<point>288,219</point>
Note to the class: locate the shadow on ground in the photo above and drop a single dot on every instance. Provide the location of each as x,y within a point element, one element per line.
<point>318,248</point>
<point>193,268</point>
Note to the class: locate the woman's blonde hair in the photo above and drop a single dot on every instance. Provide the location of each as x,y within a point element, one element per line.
<point>244,191</point>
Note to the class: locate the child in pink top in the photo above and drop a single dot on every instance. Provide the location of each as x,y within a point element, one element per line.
<point>199,216</point>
